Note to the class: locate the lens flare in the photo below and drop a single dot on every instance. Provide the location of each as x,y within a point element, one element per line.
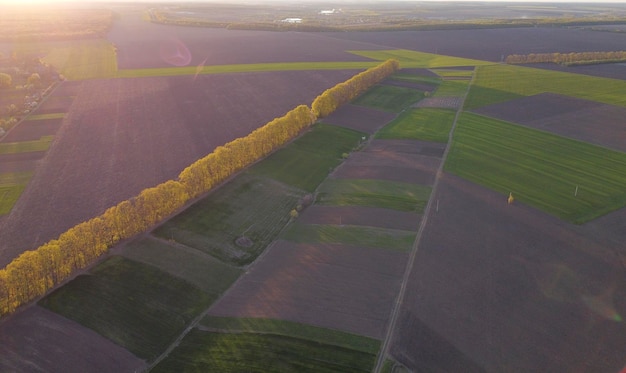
<point>175,52</point>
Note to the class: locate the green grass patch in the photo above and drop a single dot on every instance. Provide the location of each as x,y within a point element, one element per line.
<point>540,168</point>
<point>238,68</point>
<point>84,59</point>
<point>416,78</point>
<point>452,88</point>
<point>133,304</point>
<point>203,351</point>
<point>308,160</point>
<point>292,329</point>
<point>526,81</point>
<point>205,272</point>
<point>453,73</point>
<point>251,206</point>
<point>12,186</point>
<point>26,146</point>
<point>482,96</point>
<point>46,116</point>
<point>389,98</point>
<point>374,193</point>
<point>409,58</point>
<point>429,124</point>
<point>382,238</point>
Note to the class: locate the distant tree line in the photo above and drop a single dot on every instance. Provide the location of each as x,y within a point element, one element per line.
<point>568,59</point>
<point>35,272</point>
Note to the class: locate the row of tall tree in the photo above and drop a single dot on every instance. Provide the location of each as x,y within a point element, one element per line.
<point>34,272</point>
<point>342,93</point>
<point>567,58</point>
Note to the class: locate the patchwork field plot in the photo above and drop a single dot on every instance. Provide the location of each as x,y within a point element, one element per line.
<point>360,216</point>
<point>373,193</point>
<point>428,124</point>
<point>571,117</point>
<point>237,221</point>
<point>389,98</point>
<point>452,88</point>
<point>38,145</point>
<point>11,187</point>
<point>135,305</point>
<point>84,59</point>
<point>304,163</point>
<point>33,130</point>
<point>573,180</point>
<point>307,283</point>
<point>206,273</point>
<point>415,59</point>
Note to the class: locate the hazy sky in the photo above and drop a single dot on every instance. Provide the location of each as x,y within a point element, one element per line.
<point>41,2</point>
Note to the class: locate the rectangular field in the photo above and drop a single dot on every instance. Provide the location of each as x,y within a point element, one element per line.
<point>573,180</point>
<point>261,352</point>
<point>389,98</point>
<point>373,193</point>
<point>413,59</point>
<point>428,124</point>
<point>135,305</point>
<point>452,88</point>
<point>84,59</point>
<point>371,237</point>
<point>306,162</point>
<point>253,207</point>
<point>205,272</point>
<point>492,80</point>
<point>11,187</point>
<point>26,146</point>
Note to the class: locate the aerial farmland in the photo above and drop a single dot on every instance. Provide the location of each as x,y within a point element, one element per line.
<point>314,188</point>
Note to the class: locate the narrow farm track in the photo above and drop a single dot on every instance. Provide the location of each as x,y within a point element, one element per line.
<point>386,343</point>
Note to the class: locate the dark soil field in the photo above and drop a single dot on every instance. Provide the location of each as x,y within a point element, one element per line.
<point>308,283</point>
<point>37,340</point>
<point>154,46</point>
<point>491,44</point>
<point>131,134</point>
<point>612,70</point>
<point>576,118</point>
<point>509,289</point>
<point>359,118</point>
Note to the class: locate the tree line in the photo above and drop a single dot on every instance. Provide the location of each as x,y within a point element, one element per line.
<point>34,272</point>
<point>568,59</point>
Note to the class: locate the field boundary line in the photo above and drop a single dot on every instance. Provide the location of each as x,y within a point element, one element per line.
<point>386,343</point>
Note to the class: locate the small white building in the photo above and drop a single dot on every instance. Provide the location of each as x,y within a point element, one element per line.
<point>327,12</point>
<point>292,20</point>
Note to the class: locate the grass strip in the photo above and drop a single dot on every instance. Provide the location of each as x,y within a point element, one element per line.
<point>452,88</point>
<point>573,180</point>
<point>374,193</point>
<point>133,304</point>
<point>414,59</point>
<point>46,116</point>
<point>428,124</point>
<point>239,68</point>
<point>372,237</point>
<point>26,146</point>
<point>292,329</point>
<point>203,351</point>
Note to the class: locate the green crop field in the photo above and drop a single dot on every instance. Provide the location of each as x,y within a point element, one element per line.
<point>409,58</point>
<point>202,351</point>
<point>429,124</point>
<point>382,238</point>
<point>205,272</point>
<point>374,193</point>
<point>452,88</point>
<point>26,146</point>
<point>416,78</point>
<point>389,98</point>
<point>251,206</point>
<point>526,81</point>
<point>307,161</point>
<point>135,305</point>
<point>11,187</point>
<point>291,329</point>
<point>46,116</point>
<point>238,68</point>
<point>481,96</point>
<point>84,59</point>
<point>453,73</point>
<point>573,180</point>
